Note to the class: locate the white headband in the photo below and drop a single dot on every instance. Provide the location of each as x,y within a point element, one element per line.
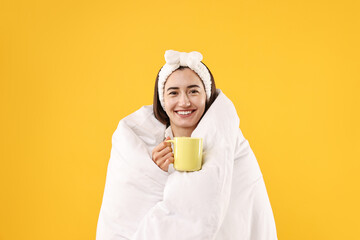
<point>176,59</point>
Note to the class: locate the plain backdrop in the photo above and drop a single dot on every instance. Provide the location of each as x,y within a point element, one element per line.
<point>70,70</point>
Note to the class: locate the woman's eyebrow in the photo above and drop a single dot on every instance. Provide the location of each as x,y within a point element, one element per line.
<point>171,88</point>
<point>191,86</point>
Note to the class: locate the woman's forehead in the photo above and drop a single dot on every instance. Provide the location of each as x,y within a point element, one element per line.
<point>183,78</point>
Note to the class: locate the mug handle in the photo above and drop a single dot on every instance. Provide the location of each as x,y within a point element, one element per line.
<point>171,141</point>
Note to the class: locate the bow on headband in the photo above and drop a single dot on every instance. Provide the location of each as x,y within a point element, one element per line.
<point>182,58</point>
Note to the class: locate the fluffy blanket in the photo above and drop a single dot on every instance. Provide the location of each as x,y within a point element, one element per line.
<point>226,199</point>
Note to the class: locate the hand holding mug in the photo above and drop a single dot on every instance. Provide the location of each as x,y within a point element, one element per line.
<point>162,155</point>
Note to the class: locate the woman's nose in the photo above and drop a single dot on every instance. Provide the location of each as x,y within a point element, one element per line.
<point>184,100</point>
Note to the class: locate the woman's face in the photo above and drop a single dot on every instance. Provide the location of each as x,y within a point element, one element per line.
<point>184,99</point>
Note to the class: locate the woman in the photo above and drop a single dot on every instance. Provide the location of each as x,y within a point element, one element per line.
<point>145,198</point>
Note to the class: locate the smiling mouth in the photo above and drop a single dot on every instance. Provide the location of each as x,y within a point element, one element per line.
<point>185,113</point>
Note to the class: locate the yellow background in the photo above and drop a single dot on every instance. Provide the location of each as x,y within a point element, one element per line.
<point>70,70</point>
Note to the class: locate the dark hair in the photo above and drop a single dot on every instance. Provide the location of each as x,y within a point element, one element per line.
<point>160,113</point>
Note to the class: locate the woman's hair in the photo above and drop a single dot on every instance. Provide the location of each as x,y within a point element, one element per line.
<point>160,113</point>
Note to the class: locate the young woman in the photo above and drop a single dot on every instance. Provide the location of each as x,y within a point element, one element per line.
<point>145,198</point>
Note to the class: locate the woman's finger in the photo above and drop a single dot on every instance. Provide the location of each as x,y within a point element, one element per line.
<point>161,160</point>
<point>164,151</point>
<point>161,146</point>
<point>165,165</point>
<point>158,155</point>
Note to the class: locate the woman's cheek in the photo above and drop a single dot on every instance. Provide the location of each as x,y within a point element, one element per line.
<point>169,102</point>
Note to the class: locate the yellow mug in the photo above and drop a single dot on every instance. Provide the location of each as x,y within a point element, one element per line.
<point>187,153</point>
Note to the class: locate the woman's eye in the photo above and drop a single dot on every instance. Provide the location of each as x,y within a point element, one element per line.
<point>194,91</point>
<point>172,93</point>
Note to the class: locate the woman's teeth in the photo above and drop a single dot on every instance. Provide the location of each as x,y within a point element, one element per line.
<point>184,112</point>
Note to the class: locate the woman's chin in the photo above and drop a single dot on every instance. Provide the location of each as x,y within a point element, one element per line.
<point>185,125</point>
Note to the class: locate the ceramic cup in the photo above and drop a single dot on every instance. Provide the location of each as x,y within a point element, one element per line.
<point>187,153</point>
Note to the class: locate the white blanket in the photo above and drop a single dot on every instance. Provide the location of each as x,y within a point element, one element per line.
<point>226,199</point>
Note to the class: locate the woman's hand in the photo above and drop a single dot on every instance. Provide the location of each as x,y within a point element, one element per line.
<point>162,155</point>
